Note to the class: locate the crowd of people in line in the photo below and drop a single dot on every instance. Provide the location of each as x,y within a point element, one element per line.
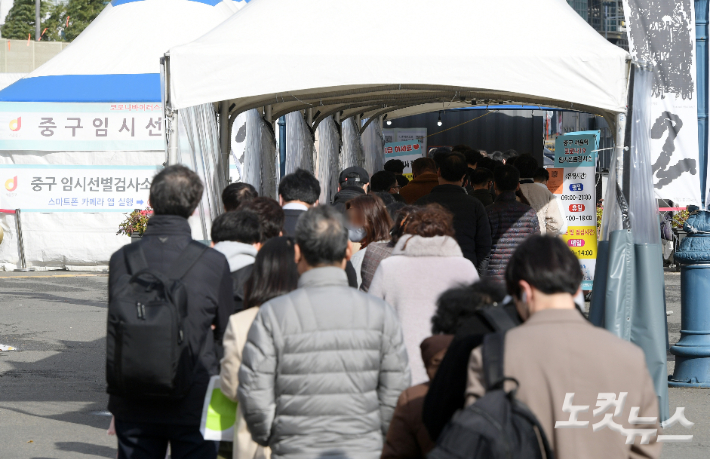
<point>356,328</point>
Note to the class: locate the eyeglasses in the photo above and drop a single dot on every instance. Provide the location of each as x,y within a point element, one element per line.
<point>395,187</point>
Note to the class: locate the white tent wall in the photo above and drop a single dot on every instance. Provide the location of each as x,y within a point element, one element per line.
<point>328,159</point>
<point>352,154</point>
<point>373,147</point>
<point>68,240</point>
<point>260,155</point>
<point>300,151</point>
<point>199,149</point>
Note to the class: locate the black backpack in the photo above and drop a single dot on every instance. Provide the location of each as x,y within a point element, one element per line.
<point>147,353</point>
<point>497,425</point>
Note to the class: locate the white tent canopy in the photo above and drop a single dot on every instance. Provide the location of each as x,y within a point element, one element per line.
<point>117,57</point>
<point>375,57</point>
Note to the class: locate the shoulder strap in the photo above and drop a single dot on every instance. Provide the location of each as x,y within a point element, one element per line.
<point>523,410</point>
<point>493,352</point>
<point>135,259</point>
<point>187,259</point>
<point>497,318</point>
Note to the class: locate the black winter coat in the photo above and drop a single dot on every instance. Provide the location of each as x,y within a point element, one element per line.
<point>239,278</point>
<point>209,302</point>
<point>473,233</point>
<point>447,391</point>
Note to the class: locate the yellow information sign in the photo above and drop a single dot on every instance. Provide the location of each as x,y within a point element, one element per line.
<point>582,240</point>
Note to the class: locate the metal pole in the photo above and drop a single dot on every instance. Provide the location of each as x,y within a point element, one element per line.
<point>692,351</point>
<point>20,243</point>
<point>626,185</point>
<point>282,144</point>
<point>701,66</point>
<point>224,140</point>
<point>38,8</point>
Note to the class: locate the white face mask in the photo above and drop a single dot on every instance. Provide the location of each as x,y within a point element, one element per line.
<point>356,234</point>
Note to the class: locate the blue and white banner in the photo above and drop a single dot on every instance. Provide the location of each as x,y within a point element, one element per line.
<point>28,126</point>
<point>59,188</point>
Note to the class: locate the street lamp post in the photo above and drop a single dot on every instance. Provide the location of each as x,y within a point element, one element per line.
<point>37,19</point>
<point>692,361</point>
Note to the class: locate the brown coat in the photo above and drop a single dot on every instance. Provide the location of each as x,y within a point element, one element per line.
<point>556,352</point>
<point>407,438</point>
<point>419,187</point>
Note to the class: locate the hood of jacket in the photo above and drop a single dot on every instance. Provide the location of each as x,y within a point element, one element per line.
<point>238,254</point>
<point>437,246</point>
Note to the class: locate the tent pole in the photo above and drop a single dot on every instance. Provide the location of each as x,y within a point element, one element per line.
<point>282,145</point>
<point>224,139</point>
<point>626,185</point>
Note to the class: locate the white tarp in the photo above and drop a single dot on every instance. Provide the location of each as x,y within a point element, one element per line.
<point>663,34</point>
<point>581,70</point>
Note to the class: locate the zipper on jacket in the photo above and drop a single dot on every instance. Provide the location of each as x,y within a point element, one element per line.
<point>140,310</point>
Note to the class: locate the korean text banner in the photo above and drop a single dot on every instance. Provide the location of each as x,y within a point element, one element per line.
<point>81,127</point>
<point>55,188</point>
<point>575,158</point>
<point>663,34</point>
<point>406,151</point>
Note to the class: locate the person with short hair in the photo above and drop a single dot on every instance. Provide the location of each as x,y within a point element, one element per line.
<point>487,163</point>
<point>543,277</point>
<point>396,166</point>
<point>271,217</point>
<point>145,425</point>
<point>472,231</point>
<point>472,158</point>
<point>369,223</point>
<point>482,182</point>
<point>237,236</point>
<point>424,179</point>
<point>425,262</point>
<point>384,182</point>
<point>540,198</point>
<point>298,192</point>
<point>324,358</point>
<point>274,274</point>
<point>235,194</point>
<point>541,176</point>
<point>511,221</point>
<point>509,154</point>
<point>353,182</point>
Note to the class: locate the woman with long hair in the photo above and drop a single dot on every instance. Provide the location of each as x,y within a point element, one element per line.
<point>425,262</point>
<point>369,223</point>
<point>378,251</point>
<point>274,274</point>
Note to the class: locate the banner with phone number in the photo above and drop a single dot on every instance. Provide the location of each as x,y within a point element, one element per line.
<point>575,162</point>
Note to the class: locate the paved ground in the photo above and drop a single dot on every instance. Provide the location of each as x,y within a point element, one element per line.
<point>52,394</point>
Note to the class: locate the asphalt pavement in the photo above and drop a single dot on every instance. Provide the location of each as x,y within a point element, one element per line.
<point>52,391</point>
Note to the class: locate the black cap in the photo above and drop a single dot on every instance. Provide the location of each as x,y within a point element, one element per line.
<point>362,176</point>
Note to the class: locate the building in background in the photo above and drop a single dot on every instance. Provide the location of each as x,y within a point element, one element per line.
<point>606,17</point>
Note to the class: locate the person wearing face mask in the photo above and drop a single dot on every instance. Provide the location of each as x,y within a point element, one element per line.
<point>369,222</point>
<point>556,352</point>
